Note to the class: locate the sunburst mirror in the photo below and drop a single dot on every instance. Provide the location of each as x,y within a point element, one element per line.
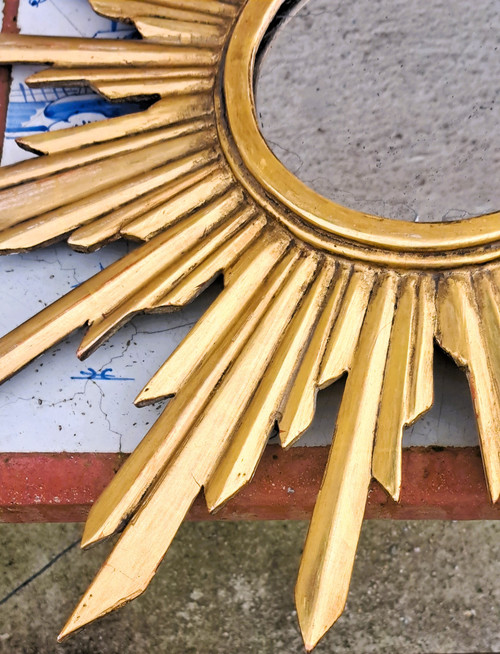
<point>313,290</point>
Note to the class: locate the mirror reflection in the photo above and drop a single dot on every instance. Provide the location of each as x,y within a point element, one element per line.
<point>386,106</point>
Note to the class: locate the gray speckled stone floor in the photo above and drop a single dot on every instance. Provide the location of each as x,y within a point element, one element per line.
<point>228,587</point>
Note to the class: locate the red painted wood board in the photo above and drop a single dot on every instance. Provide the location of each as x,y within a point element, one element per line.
<point>438,484</point>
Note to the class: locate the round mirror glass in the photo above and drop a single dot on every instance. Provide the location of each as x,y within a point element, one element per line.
<point>387,107</point>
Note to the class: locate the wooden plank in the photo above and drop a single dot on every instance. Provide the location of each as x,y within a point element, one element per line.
<point>438,484</point>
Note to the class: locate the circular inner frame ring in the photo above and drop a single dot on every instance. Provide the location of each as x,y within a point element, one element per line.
<point>323,223</point>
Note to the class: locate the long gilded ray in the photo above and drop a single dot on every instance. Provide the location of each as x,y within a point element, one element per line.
<point>163,113</point>
<point>41,167</point>
<point>330,547</point>
<point>75,52</point>
<point>344,337</point>
<point>154,289</point>
<point>140,549</point>
<point>298,410</point>
<point>272,259</point>
<point>108,226</point>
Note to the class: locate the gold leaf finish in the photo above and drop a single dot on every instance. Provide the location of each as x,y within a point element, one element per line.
<point>312,290</point>
<point>330,547</point>
<point>468,328</point>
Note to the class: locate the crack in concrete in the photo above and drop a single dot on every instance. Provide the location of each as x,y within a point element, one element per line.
<point>37,574</point>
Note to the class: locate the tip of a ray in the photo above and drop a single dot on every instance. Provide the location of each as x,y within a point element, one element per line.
<point>312,629</point>
<point>288,438</point>
<point>149,395</point>
<point>94,530</point>
<point>90,537</point>
<point>495,495</point>
<point>144,397</point>
<point>311,635</point>
<point>215,503</point>
<point>77,620</point>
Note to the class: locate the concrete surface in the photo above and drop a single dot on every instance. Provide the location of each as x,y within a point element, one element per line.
<point>227,588</point>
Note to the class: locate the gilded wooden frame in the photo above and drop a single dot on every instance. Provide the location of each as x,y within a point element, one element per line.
<point>312,290</point>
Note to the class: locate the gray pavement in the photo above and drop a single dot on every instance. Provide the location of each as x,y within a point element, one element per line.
<point>227,588</point>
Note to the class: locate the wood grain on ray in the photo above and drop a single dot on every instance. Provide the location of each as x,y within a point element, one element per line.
<point>208,11</point>
<point>176,32</point>
<point>87,302</point>
<point>55,224</point>
<point>468,328</point>
<point>344,336</point>
<point>107,227</point>
<point>129,568</point>
<point>69,52</point>
<point>298,411</point>
<point>33,199</point>
<point>193,250</point>
<point>41,167</point>
<point>163,113</point>
<point>243,454</point>
<point>330,547</point>
<point>156,220</point>
<point>275,261</point>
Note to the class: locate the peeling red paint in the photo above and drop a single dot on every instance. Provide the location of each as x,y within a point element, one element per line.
<point>438,484</point>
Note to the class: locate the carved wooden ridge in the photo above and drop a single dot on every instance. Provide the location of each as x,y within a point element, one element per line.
<point>312,290</point>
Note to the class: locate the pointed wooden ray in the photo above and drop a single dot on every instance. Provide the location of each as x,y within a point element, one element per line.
<point>272,257</point>
<point>243,454</point>
<point>33,199</point>
<point>73,52</point>
<point>468,328</point>
<point>420,391</point>
<point>154,288</point>
<point>156,220</point>
<point>130,568</point>
<point>161,114</point>
<point>41,167</point>
<point>344,337</point>
<point>242,284</point>
<point>109,226</point>
<point>330,547</point>
<point>101,292</point>
<point>300,405</point>
<point>197,280</point>
<point>82,76</point>
<point>407,389</point>
<point>163,87</point>
<point>56,224</point>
